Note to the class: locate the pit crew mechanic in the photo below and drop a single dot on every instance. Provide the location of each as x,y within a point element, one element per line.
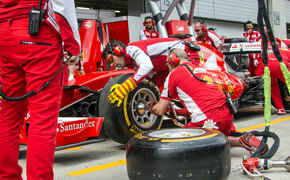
<point>27,62</point>
<point>149,32</point>
<point>255,64</point>
<point>206,36</point>
<point>276,73</point>
<point>203,102</point>
<point>147,57</point>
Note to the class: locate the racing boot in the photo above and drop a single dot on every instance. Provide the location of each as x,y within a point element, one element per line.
<point>281,111</point>
<point>251,143</point>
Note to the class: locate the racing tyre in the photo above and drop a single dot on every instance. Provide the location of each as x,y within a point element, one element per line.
<point>179,153</point>
<point>132,117</point>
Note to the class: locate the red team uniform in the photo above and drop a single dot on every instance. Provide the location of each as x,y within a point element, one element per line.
<point>27,62</point>
<point>203,101</point>
<point>138,57</point>
<point>146,34</point>
<point>276,73</point>
<point>211,38</point>
<point>259,69</point>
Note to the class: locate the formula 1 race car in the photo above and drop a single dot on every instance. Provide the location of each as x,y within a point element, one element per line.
<point>85,114</point>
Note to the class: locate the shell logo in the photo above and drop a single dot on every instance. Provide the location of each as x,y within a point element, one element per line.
<point>208,79</point>
<point>87,24</point>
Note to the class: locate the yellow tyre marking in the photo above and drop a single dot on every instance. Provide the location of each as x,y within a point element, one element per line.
<point>190,139</point>
<point>125,111</point>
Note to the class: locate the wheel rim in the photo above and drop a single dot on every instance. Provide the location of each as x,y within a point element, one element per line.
<point>177,133</point>
<point>139,108</point>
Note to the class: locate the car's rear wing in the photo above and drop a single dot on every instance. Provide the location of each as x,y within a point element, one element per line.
<point>241,48</point>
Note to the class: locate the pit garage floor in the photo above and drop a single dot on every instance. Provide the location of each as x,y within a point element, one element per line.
<point>107,160</point>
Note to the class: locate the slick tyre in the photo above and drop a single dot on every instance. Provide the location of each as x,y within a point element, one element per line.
<point>132,117</point>
<point>179,153</point>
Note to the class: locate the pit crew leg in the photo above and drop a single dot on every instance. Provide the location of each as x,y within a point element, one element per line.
<point>11,115</point>
<point>43,107</point>
<point>275,92</point>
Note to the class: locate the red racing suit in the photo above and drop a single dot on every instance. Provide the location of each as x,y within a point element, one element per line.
<point>27,62</point>
<point>202,100</point>
<point>210,38</point>
<point>146,34</point>
<point>276,73</point>
<point>139,56</point>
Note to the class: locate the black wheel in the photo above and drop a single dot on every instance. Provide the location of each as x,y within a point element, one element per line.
<point>132,117</point>
<point>179,153</point>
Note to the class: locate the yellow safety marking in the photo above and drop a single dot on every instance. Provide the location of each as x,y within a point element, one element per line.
<point>262,125</point>
<point>71,149</point>
<point>189,139</point>
<point>123,161</point>
<point>97,168</point>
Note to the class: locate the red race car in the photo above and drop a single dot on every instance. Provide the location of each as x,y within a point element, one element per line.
<point>85,113</point>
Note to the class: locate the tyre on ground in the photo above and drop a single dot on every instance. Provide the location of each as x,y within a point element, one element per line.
<point>178,153</point>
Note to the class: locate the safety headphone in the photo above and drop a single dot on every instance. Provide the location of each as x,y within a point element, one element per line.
<point>173,59</point>
<point>148,17</point>
<point>116,48</point>
<point>203,27</point>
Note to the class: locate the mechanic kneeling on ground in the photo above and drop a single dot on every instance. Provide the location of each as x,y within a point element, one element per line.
<point>203,102</point>
<point>30,55</point>
<point>147,57</point>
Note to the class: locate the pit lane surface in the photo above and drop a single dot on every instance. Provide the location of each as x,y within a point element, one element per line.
<point>107,160</point>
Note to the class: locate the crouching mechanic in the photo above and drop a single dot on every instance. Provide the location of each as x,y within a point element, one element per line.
<point>204,102</point>
<point>28,60</point>
<point>147,57</point>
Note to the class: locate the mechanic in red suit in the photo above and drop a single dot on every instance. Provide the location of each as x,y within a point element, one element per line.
<point>276,73</point>
<point>147,57</point>
<point>27,62</point>
<point>149,31</point>
<point>206,36</point>
<point>256,63</point>
<point>204,102</point>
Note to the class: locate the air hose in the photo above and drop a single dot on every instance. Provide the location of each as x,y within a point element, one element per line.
<point>31,93</point>
<point>263,15</point>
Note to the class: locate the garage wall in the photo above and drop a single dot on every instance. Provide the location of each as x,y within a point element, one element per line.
<point>230,10</point>
<point>287,10</point>
<point>231,30</point>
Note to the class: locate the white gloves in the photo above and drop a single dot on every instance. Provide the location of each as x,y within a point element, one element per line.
<point>209,124</point>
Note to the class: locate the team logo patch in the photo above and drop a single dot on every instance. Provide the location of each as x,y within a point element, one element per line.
<point>87,24</point>
<point>208,79</point>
